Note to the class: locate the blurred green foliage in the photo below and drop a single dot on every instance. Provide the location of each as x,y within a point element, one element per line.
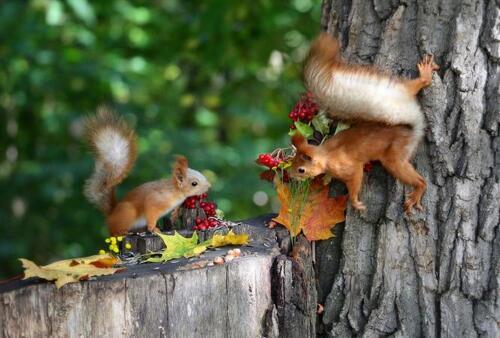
<point>212,79</point>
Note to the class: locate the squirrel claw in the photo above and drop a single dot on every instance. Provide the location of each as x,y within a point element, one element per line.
<point>154,230</point>
<point>410,204</point>
<point>427,63</point>
<point>358,206</point>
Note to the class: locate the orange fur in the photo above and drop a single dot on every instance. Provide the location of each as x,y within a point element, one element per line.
<point>100,187</point>
<point>343,156</point>
<point>387,122</point>
<point>150,201</point>
<point>114,146</point>
<point>324,54</point>
<point>354,93</point>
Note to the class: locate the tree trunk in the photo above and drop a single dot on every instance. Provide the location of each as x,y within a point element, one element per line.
<point>437,272</point>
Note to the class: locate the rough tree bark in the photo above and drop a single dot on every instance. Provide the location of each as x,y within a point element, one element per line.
<point>436,273</point>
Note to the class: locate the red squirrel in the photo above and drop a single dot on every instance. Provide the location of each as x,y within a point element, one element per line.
<point>113,143</point>
<point>385,117</point>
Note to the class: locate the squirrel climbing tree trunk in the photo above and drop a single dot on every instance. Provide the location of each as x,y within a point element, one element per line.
<point>437,272</point>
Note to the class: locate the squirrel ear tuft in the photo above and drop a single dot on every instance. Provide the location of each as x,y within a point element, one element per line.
<point>298,140</point>
<point>300,143</point>
<point>179,171</point>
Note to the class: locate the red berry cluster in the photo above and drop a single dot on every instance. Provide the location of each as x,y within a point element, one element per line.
<point>268,160</point>
<point>207,223</point>
<point>209,208</point>
<point>192,202</point>
<point>304,109</point>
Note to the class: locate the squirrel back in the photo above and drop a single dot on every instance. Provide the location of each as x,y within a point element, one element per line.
<point>356,93</point>
<point>113,143</point>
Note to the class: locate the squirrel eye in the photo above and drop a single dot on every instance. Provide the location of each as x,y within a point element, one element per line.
<point>194,184</point>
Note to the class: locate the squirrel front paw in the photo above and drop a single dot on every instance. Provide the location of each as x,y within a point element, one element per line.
<point>358,205</point>
<point>426,66</point>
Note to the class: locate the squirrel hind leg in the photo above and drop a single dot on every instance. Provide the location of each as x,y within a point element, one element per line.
<point>406,174</point>
<point>121,219</point>
<point>152,216</point>
<point>425,67</point>
<point>354,183</point>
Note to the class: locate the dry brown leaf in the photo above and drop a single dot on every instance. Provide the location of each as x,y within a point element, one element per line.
<point>319,214</point>
<point>72,270</point>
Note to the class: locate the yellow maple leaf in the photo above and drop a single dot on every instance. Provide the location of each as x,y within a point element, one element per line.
<point>71,270</point>
<point>229,239</point>
<point>319,213</point>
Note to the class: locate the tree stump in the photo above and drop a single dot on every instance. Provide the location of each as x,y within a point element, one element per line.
<point>183,298</point>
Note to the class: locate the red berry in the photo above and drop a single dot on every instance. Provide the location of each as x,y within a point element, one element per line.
<point>368,167</point>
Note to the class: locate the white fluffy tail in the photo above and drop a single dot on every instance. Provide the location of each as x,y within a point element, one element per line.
<point>356,93</point>
<point>113,144</point>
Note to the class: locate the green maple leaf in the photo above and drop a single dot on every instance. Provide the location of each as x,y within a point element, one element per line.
<point>321,123</point>
<point>341,126</point>
<point>305,129</point>
<point>178,246</point>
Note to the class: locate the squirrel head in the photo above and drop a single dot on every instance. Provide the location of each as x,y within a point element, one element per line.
<point>189,181</point>
<point>305,163</point>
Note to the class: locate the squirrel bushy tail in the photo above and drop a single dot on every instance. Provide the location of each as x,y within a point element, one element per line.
<point>354,93</point>
<point>113,143</point>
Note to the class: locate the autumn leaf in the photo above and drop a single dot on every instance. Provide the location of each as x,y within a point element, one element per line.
<point>72,270</point>
<point>341,126</point>
<point>304,129</point>
<point>178,246</point>
<point>319,215</point>
<point>284,214</point>
<point>230,239</point>
<point>321,123</point>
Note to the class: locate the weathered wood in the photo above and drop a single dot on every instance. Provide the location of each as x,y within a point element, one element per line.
<point>152,300</point>
<point>294,292</point>
<point>435,273</point>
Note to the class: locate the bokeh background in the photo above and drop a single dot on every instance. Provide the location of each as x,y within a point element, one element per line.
<point>213,80</point>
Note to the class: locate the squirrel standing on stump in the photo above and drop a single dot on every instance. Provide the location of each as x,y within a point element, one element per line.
<point>386,121</point>
<point>113,144</point>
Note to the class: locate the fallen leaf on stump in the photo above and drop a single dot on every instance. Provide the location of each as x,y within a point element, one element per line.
<point>72,270</point>
<point>230,239</point>
<point>320,213</point>
<point>178,246</point>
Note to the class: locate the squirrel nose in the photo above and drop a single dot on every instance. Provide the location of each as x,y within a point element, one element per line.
<point>301,170</point>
